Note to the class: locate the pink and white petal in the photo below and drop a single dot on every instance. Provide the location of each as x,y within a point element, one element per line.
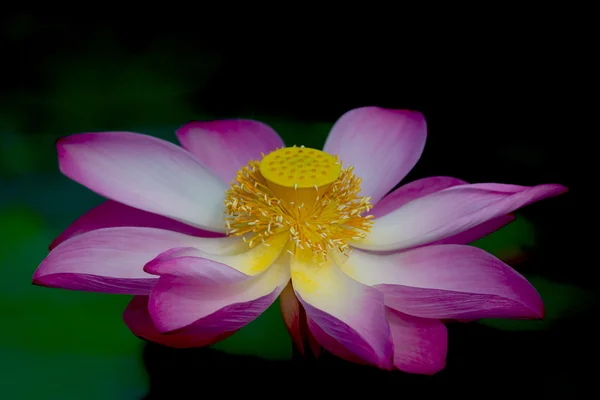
<point>425,186</point>
<point>225,146</point>
<point>411,191</point>
<point>137,318</point>
<point>296,322</point>
<point>396,138</point>
<point>479,231</point>
<point>112,214</point>
<point>212,295</point>
<point>198,267</point>
<point>449,212</point>
<point>333,345</point>
<point>349,312</point>
<point>420,344</point>
<point>447,282</point>
<point>108,260</point>
<point>146,173</point>
<point>223,256</point>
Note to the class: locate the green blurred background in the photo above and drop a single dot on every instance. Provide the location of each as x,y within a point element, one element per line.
<point>69,76</point>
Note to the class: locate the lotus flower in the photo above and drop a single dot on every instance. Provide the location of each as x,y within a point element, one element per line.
<point>208,235</point>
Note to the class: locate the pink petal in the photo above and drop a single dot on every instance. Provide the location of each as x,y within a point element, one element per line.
<point>478,231</point>
<point>137,318</point>
<point>425,186</point>
<point>230,256</point>
<point>339,308</point>
<point>420,345</point>
<point>146,173</point>
<point>411,191</point>
<point>225,146</point>
<point>294,316</point>
<point>449,212</point>
<point>447,282</point>
<point>394,138</point>
<point>111,214</point>
<point>201,292</point>
<point>296,323</point>
<point>108,260</point>
<point>334,345</point>
<point>191,264</point>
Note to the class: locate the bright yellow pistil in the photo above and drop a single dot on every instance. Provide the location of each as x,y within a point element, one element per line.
<point>301,191</point>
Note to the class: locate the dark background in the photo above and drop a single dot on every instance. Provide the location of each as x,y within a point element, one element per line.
<point>502,105</point>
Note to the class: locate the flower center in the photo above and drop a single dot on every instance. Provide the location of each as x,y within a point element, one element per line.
<point>304,192</point>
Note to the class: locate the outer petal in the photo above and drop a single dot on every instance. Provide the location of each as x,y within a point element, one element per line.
<point>411,191</point>
<point>296,322</point>
<point>112,259</point>
<point>344,310</point>
<point>478,231</point>
<point>202,292</point>
<point>137,318</point>
<point>111,214</point>
<point>227,145</point>
<point>107,260</point>
<point>420,345</point>
<point>146,173</point>
<point>395,138</point>
<point>422,187</point>
<point>447,282</point>
<point>449,212</point>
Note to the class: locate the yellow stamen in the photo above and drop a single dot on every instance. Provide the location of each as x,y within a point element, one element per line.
<point>301,191</point>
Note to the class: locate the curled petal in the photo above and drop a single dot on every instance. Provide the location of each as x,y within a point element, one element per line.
<point>191,264</point>
<point>137,318</point>
<point>225,146</point>
<point>450,212</point>
<point>296,322</point>
<point>204,292</point>
<point>396,138</point>
<point>233,253</point>
<point>351,315</point>
<point>447,282</point>
<point>146,173</point>
<point>112,214</point>
<point>420,345</point>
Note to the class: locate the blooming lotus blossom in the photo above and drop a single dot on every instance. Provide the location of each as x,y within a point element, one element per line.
<point>206,237</point>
